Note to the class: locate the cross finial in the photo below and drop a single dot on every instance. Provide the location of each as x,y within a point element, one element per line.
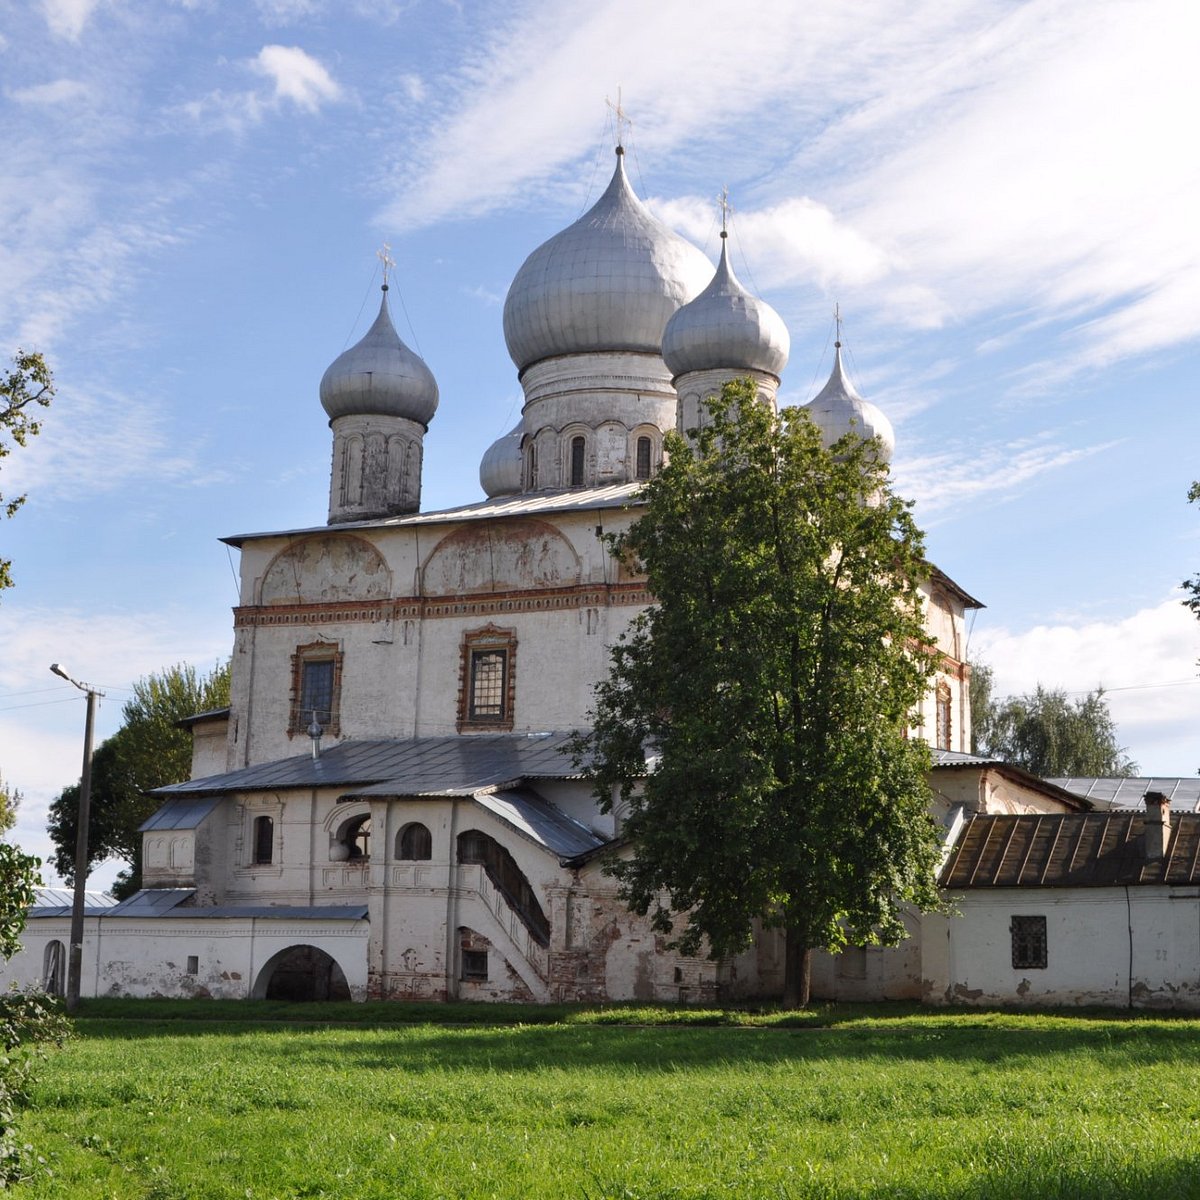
<point>384,255</point>
<point>837,321</point>
<point>726,209</point>
<point>623,121</point>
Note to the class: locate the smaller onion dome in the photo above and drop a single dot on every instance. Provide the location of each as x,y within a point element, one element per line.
<point>726,328</point>
<point>380,376</point>
<point>500,468</point>
<point>838,409</point>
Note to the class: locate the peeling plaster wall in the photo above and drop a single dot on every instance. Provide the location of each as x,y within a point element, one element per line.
<point>1105,946</point>
<point>126,956</point>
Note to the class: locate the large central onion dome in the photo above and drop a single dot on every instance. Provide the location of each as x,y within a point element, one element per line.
<point>726,327</point>
<point>610,282</point>
<point>380,376</point>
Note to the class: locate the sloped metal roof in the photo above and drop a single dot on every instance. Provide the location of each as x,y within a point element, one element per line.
<point>180,814</point>
<point>57,902</point>
<point>528,504</point>
<point>1183,793</point>
<point>157,903</point>
<point>541,822</point>
<point>406,766</point>
<point>1069,850</point>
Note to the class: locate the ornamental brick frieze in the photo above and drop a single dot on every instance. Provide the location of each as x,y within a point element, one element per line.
<point>415,608</point>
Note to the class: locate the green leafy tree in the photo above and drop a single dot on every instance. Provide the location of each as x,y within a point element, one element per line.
<point>28,1020</point>
<point>10,799</point>
<point>1046,732</point>
<point>148,751</point>
<point>27,385</point>
<point>772,681</point>
<point>1192,586</point>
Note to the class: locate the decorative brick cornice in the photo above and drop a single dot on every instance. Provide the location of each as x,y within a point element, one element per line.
<point>415,608</point>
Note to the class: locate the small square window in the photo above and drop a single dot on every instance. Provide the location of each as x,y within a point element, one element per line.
<point>475,965</point>
<point>193,964</point>
<point>1028,943</point>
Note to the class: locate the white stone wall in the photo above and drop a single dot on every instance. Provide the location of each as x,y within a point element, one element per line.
<point>127,956</point>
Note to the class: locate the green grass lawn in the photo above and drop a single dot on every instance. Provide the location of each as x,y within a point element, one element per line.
<point>167,1101</point>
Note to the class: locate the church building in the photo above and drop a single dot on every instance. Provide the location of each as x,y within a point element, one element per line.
<point>388,809</point>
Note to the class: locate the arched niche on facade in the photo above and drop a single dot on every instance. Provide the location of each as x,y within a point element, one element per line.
<point>301,973</point>
<point>488,557</point>
<point>324,569</point>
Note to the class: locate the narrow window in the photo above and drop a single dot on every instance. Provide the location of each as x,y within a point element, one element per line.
<point>264,839</point>
<point>316,683</point>
<point>488,669</point>
<point>316,692</point>
<point>415,843</point>
<point>944,729</point>
<point>578,446</point>
<point>486,680</point>
<point>193,964</point>
<point>533,472</point>
<point>475,965</point>
<point>1028,943</point>
<point>643,458</point>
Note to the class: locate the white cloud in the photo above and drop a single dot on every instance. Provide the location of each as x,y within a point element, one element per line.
<point>1146,662</point>
<point>297,77</point>
<point>67,18</point>
<point>59,91</point>
<point>284,12</point>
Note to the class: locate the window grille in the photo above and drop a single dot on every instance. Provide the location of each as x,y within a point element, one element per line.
<point>475,965</point>
<point>578,449</point>
<point>643,458</point>
<point>1028,943</point>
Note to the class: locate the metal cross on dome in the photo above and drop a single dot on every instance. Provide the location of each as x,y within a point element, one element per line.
<point>385,256</point>
<point>624,122</point>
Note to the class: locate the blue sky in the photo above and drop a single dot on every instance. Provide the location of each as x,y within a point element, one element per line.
<point>1000,196</point>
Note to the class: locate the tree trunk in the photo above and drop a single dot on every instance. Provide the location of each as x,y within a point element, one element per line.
<point>797,970</point>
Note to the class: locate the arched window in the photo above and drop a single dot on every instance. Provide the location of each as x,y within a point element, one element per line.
<point>264,840</point>
<point>533,465</point>
<point>578,450</point>
<point>474,846</point>
<point>414,843</point>
<point>353,841</point>
<point>642,466</point>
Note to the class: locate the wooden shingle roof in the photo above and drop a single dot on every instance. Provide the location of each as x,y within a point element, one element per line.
<point>1069,850</point>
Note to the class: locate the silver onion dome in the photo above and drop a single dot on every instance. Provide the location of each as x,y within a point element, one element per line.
<point>380,376</point>
<point>726,327</point>
<point>500,467</point>
<point>837,409</point>
<point>609,282</point>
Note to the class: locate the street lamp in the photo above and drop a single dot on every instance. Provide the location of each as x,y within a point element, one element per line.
<point>75,957</point>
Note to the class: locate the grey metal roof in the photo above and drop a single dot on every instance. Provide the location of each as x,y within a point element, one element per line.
<point>1183,792</point>
<point>541,822</point>
<point>57,902</point>
<point>212,714</point>
<point>179,814</point>
<point>406,766</point>
<point>172,902</point>
<point>955,758</point>
<point>562,500</point>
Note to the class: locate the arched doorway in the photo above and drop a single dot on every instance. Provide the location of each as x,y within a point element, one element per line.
<point>301,973</point>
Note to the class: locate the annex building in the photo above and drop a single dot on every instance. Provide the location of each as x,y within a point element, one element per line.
<point>387,808</point>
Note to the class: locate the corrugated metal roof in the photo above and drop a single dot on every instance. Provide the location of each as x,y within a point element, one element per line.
<point>563,500</point>
<point>1070,850</point>
<point>180,814</point>
<point>405,766</point>
<point>1184,793</point>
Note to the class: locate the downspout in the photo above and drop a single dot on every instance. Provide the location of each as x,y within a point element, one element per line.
<point>452,902</point>
<point>312,847</point>
<point>1129,923</point>
<point>419,631</point>
<point>252,972</point>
